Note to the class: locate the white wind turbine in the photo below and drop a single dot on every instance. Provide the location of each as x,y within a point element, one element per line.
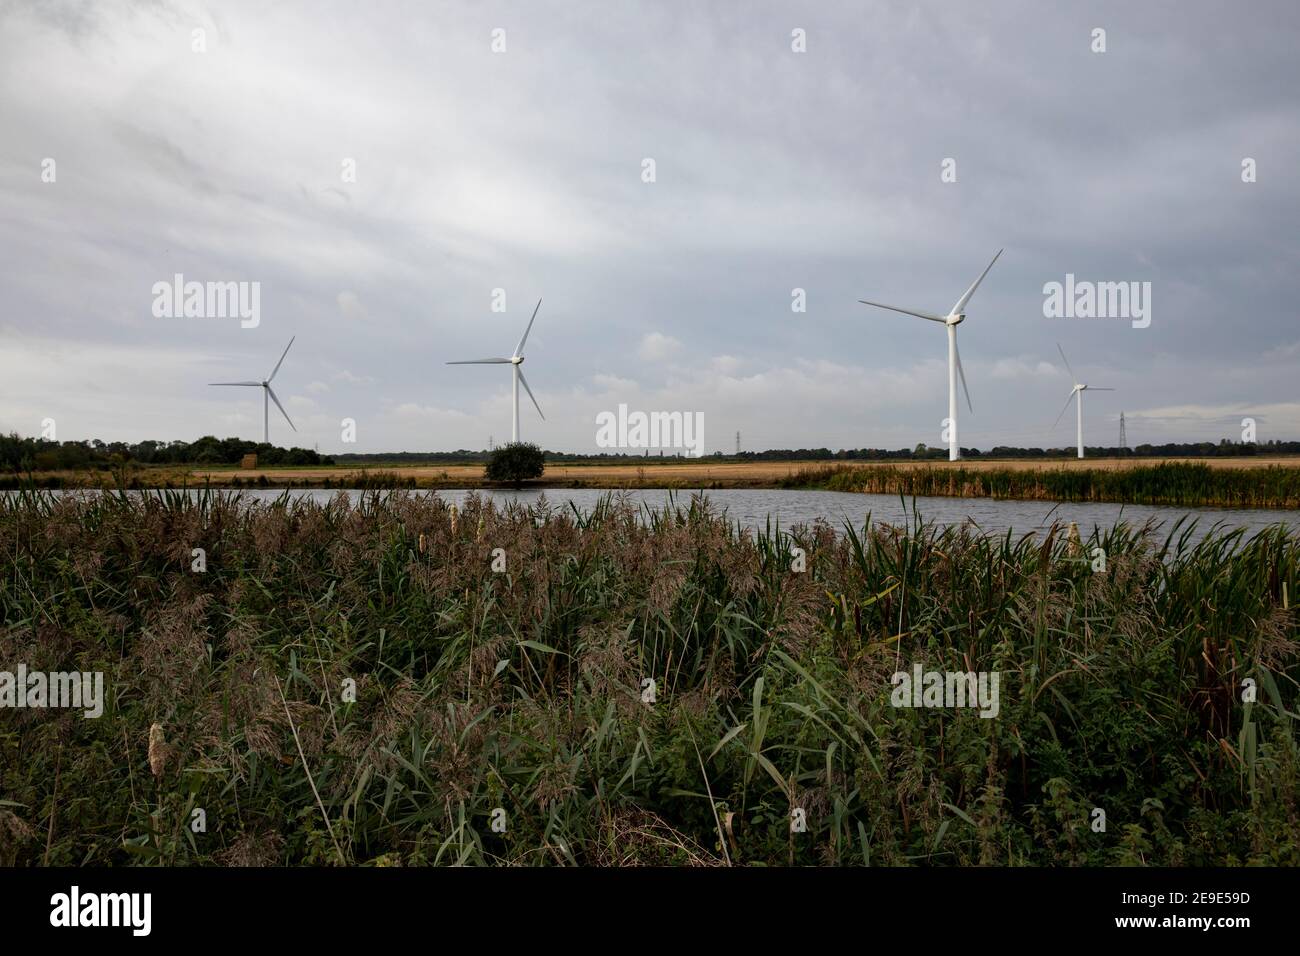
<point>516,360</point>
<point>268,394</point>
<point>1078,390</point>
<point>953,319</point>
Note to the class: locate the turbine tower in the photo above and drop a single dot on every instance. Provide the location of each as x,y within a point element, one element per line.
<point>1078,390</point>
<point>268,393</point>
<point>953,319</point>
<point>516,360</point>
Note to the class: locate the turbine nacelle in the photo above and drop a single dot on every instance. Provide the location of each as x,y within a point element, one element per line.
<point>956,318</point>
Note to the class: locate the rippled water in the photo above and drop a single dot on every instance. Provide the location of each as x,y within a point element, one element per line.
<point>754,507</point>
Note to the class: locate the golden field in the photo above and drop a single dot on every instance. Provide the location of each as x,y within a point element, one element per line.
<point>679,473</point>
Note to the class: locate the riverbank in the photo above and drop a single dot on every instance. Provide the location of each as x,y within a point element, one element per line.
<point>1254,482</point>
<point>1181,484</point>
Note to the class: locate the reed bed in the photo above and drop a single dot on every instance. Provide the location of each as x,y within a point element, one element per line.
<point>1182,484</point>
<point>501,716</point>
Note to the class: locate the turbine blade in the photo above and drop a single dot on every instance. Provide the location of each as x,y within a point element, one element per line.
<point>281,407</point>
<point>961,303</point>
<point>487,361</point>
<point>281,362</point>
<point>234,383</point>
<point>1098,388</point>
<point>524,382</point>
<point>1066,408</point>
<point>894,308</point>
<point>1066,361</point>
<point>519,349</point>
<point>961,373</point>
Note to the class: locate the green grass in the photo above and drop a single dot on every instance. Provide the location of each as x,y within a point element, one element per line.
<point>1181,484</point>
<point>522,690</point>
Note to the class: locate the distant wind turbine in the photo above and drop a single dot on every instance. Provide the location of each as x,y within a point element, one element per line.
<point>268,393</point>
<point>953,319</point>
<point>1078,390</point>
<point>516,360</point>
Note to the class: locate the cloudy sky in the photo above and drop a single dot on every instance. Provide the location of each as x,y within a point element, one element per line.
<point>225,155</point>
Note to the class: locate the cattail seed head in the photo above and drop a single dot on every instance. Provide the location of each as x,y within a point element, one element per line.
<point>157,750</point>
<point>1075,543</point>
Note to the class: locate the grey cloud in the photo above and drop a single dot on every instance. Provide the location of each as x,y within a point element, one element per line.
<point>775,170</point>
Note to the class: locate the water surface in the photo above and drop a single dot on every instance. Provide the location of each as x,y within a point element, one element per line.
<point>754,507</point>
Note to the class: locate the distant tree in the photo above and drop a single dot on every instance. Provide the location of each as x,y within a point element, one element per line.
<point>516,462</point>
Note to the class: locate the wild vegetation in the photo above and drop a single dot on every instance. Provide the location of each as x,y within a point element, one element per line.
<point>1184,484</point>
<point>518,693</point>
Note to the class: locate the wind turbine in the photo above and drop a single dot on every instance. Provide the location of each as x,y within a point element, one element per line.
<point>268,393</point>
<point>954,318</point>
<point>1078,390</point>
<point>516,360</point>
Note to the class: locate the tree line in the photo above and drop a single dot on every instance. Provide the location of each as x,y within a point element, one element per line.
<point>39,454</point>
<point>42,454</point>
<point>922,452</point>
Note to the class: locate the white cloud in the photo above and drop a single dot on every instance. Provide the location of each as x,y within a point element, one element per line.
<point>655,347</point>
<point>613,383</point>
<point>343,375</point>
<point>416,410</point>
<point>1019,368</point>
<point>1287,351</point>
<point>1282,414</point>
<point>351,308</point>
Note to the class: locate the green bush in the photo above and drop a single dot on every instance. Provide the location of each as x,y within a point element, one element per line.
<point>516,462</point>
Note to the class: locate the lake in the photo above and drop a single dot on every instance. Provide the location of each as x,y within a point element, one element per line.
<point>753,508</point>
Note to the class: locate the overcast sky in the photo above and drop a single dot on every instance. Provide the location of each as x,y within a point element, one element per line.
<point>523,170</point>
